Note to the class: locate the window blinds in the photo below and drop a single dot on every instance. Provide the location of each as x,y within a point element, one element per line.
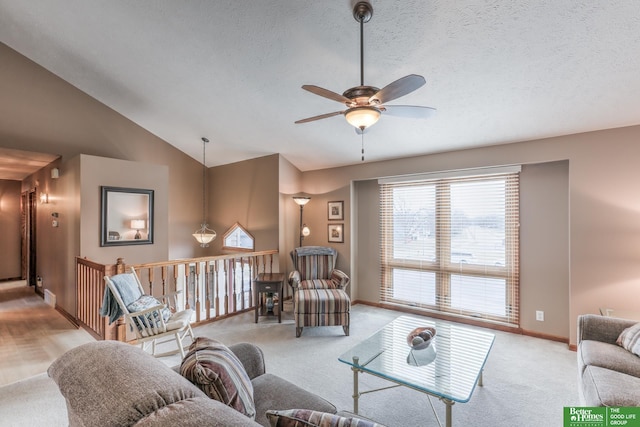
<point>451,245</point>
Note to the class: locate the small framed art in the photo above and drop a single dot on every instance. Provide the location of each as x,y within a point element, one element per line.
<point>336,233</point>
<point>336,210</point>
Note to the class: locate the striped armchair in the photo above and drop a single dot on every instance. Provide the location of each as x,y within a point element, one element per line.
<point>320,297</point>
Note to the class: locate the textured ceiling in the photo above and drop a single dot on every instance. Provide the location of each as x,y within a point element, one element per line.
<point>497,71</point>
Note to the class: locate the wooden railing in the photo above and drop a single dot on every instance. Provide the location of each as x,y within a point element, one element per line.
<point>214,287</point>
<point>89,293</point>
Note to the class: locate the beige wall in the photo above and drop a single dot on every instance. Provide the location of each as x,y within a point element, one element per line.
<point>603,210</point>
<point>315,216</point>
<point>10,264</point>
<point>42,113</point>
<point>57,247</point>
<point>75,197</point>
<point>96,172</point>
<point>245,192</point>
<point>544,247</point>
<point>290,183</point>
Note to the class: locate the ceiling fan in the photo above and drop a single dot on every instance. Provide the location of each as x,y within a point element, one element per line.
<point>365,104</point>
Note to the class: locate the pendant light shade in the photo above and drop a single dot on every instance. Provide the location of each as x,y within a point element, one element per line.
<point>204,235</point>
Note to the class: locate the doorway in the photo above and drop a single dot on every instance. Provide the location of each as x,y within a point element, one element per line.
<point>29,210</point>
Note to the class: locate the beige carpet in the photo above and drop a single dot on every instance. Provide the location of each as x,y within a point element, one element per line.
<point>527,380</point>
<point>32,333</point>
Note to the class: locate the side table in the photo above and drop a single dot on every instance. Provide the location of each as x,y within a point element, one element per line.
<point>268,283</point>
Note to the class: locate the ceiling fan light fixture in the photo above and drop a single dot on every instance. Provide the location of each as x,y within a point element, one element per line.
<point>362,117</point>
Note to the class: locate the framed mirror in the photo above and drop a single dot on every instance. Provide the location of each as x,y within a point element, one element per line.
<point>237,238</point>
<point>126,216</point>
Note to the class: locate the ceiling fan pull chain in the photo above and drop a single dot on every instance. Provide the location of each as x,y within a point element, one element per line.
<point>362,143</point>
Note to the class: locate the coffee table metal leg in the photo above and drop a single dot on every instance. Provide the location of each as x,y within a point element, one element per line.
<point>448,411</point>
<point>356,393</point>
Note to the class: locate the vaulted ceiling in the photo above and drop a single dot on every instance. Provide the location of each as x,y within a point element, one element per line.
<point>497,71</point>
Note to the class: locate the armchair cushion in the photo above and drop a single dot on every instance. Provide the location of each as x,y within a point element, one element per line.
<point>317,284</point>
<point>217,371</point>
<point>314,262</point>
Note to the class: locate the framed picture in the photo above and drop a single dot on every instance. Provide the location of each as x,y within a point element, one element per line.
<point>336,233</point>
<point>126,216</point>
<point>336,210</point>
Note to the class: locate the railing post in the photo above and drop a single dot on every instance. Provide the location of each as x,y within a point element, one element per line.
<point>216,290</point>
<point>187,270</point>
<point>196,289</point>
<point>120,266</point>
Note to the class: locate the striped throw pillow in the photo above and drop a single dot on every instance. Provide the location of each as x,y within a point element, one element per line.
<point>309,418</point>
<point>213,368</point>
<point>629,339</point>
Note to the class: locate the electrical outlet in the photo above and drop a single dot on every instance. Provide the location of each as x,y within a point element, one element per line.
<point>540,315</point>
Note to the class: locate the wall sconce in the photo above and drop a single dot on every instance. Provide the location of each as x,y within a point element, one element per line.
<point>137,224</point>
<point>304,230</point>
<point>44,198</point>
<point>55,173</point>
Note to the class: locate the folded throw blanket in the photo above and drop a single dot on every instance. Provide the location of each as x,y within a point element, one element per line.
<point>110,306</point>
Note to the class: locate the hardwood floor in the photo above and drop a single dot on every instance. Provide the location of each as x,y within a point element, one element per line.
<point>32,333</point>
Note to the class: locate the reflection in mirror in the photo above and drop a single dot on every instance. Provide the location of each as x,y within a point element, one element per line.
<point>238,238</point>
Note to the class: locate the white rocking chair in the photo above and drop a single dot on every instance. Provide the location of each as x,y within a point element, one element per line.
<point>150,319</point>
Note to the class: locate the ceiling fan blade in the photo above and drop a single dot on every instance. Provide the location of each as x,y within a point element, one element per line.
<point>410,111</point>
<point>327,94</point>
<point>321,116</point>
<point>400,87</point>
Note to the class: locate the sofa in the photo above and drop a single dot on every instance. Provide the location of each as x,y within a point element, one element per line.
<point>608,374</point>
<point>110,383</point>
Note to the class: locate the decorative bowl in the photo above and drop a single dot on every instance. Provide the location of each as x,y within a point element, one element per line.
<point>420,338</point>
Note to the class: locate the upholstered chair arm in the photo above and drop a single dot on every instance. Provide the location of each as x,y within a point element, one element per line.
<point>339,279</point>
<point>251,357</point>
<point>294,279</point>
<point>601,328</point>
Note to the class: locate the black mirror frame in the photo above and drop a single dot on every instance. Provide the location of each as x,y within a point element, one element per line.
<point>105,211</point>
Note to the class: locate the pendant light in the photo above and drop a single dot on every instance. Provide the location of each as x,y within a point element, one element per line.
<point>204,235</point>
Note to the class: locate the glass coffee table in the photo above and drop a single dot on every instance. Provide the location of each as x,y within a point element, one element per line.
<point>449,368</point>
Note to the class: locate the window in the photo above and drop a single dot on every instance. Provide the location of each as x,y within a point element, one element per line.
<point>238,238</point>
<point>450,244</point>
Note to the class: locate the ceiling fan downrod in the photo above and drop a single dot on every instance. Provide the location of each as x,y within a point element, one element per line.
<point>362,12</point>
